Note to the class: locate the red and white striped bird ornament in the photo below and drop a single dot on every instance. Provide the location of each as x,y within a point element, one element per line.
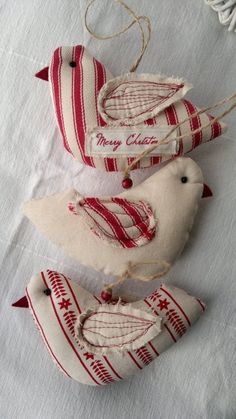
<point>107,122</point>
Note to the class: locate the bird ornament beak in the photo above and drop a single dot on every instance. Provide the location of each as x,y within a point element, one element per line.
<point>207,192</point>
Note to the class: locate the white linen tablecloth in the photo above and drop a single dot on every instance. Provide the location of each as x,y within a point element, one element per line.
<point>197,377</point>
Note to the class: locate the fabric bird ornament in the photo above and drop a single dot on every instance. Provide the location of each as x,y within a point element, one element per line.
<point>99,344</point>
<point>107,122</point>
<point>119,124</point>
<point>147,223</point>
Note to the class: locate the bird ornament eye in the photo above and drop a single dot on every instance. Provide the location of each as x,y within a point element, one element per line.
<point>184,179</point>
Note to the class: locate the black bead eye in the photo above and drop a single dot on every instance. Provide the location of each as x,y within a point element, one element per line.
<point>184,179</point>
<point>72,64</point>
<point>47,291</point>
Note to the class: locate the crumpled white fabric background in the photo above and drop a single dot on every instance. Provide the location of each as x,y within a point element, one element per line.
<point>197,377</point>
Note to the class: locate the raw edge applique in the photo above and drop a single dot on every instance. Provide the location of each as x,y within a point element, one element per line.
<point>109,328</point>
<point>133,98</point>
<point>118,222</point>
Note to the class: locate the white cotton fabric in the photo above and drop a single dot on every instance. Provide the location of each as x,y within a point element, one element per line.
<point>195,379</point>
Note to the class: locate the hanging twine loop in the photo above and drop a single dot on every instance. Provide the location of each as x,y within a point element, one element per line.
<point>145,36</point>
<point>130,273</point>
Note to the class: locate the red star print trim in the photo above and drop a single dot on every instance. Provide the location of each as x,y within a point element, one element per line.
<point>89,355</point>
<point>65,304</point>
<point>163,304</point>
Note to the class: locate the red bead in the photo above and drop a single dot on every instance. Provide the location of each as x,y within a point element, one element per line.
<point>127,183</point>
<point>106,295</point>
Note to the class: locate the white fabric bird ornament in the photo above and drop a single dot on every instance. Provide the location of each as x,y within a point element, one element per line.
<point>147,223</point>
<point>98,344</point>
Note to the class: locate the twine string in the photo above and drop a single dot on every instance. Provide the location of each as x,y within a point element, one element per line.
<point>145,37</point>
<point>166,140</point>
<point>131,274</point>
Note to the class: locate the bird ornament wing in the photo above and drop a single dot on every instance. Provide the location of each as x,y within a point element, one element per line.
<point>134,98</point>
<point>116,327</point>
<point>117,221</point>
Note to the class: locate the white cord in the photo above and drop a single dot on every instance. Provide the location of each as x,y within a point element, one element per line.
<point>226,10</point>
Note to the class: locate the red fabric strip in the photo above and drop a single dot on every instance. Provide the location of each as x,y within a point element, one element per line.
<point>112,368</point>
<point>180,308</point>
<point>100,80</point>
<point>113,222</point>
<point>165,326</point>
<point>66,336</point>
<point>77,305</point>
<point>154,349</point>
<point>72,292</point>
<point>76,85</point>
<point>44,336</point>
<point>195,123</point>
<point>201,304</point>
<point>132,357</point>
<point>55,74</point>
<point>215,128</point>
<point>131,209</point>
<point>78,102</point>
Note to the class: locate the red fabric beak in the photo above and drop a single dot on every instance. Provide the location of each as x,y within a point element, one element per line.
<point>207,192</point>
<point>43,74</point>
<point>22,303</point>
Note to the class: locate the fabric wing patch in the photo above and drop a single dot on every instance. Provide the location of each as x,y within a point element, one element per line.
<point>119,222</point>
<point>116,327</point>
<point>133,98</point>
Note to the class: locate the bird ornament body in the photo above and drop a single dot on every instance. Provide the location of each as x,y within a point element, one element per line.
<point>151,221</point>
<point>107,122</point>
<point>99,344</point>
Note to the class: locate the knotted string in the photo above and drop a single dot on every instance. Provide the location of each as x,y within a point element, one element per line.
<point>131,274</point>
<point>167,140</point>
<point>145,37</point>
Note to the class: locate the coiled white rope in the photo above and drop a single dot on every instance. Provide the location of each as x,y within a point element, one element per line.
<point>226,10</point>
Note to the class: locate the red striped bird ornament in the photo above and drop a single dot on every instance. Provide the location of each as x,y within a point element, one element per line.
<point>107,122</point>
